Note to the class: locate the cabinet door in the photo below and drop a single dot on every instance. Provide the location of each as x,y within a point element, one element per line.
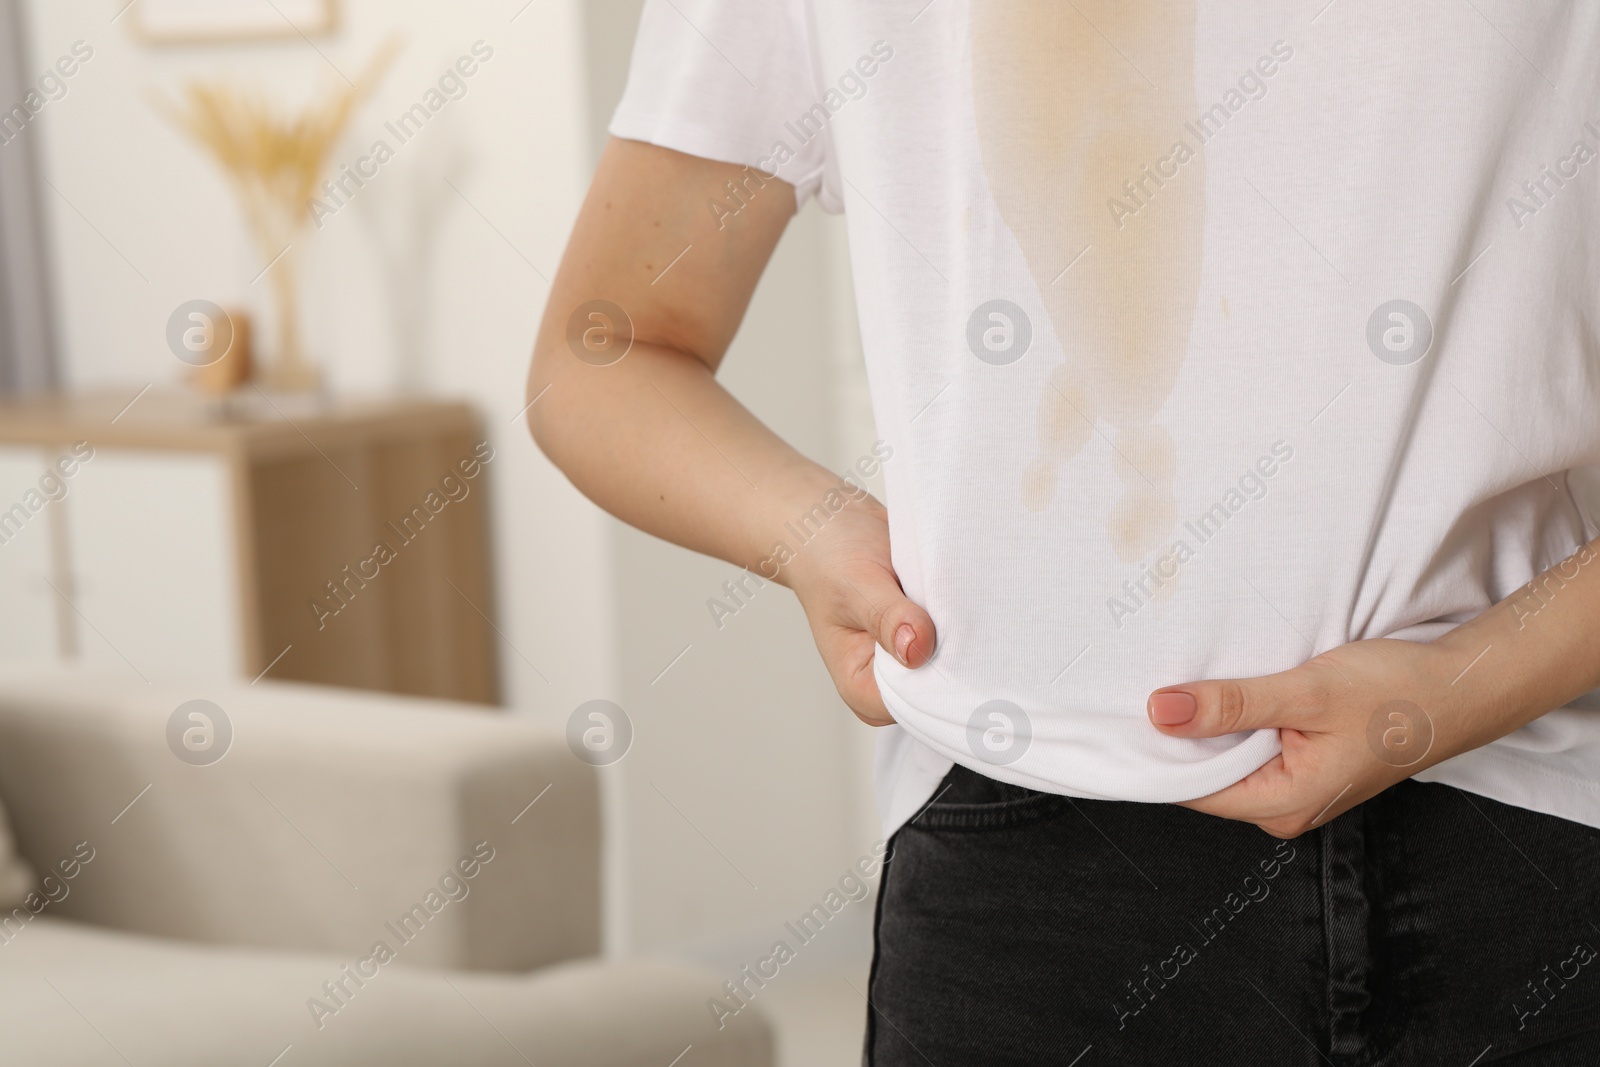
<point>152,552</point>
<point>30,623</point>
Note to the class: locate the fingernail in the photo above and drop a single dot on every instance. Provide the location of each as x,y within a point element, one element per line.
<point>1172,709</point>
<point>902,642</point>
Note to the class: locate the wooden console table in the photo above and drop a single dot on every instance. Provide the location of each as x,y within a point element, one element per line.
<point>194,543</point>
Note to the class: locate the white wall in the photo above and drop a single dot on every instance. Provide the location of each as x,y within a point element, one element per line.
<point>143,221</point>
<point>745,734</point>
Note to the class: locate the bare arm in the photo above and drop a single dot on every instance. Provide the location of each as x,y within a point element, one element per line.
<point>655,440</point>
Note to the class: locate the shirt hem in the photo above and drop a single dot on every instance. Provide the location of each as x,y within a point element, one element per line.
<point>706,143</point>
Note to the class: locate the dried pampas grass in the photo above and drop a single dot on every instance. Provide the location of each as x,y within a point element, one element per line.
<point>274,161</point>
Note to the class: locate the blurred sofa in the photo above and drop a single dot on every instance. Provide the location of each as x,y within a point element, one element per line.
<point>358,879</point>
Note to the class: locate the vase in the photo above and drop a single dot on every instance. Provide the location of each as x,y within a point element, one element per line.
<point>290,369</point>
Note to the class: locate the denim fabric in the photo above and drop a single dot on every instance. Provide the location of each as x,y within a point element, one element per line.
<point>1427,926</point>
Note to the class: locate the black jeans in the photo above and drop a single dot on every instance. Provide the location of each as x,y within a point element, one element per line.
<point>1427,926</point>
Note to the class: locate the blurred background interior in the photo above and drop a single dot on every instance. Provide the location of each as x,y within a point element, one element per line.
<point>219,526</point>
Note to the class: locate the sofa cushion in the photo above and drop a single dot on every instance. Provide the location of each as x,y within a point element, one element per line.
<point>16,879</point>
<point>73,995</point>
<point>332,813</point>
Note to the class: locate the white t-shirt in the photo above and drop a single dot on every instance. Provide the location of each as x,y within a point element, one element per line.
<point>1207,336</point>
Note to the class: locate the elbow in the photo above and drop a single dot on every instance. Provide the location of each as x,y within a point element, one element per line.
<point>536,414</point>
<point>538,426</point>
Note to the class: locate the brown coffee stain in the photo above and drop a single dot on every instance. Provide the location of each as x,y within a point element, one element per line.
<point>1072,101</point>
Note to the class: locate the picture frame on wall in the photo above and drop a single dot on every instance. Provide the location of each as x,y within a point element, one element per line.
<point>224,21</point>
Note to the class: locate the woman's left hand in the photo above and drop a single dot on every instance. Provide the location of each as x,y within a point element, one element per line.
<point>1362,717</point>
<point>1353,721</point>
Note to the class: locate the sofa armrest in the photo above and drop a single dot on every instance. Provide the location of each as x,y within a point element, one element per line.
<point>335,820</point>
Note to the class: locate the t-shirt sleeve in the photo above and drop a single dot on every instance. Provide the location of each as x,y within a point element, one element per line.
<point>725,80</point>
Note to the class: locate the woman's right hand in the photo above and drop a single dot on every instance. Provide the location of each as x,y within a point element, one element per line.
<point>853,600</point>
<point>636,418</point>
